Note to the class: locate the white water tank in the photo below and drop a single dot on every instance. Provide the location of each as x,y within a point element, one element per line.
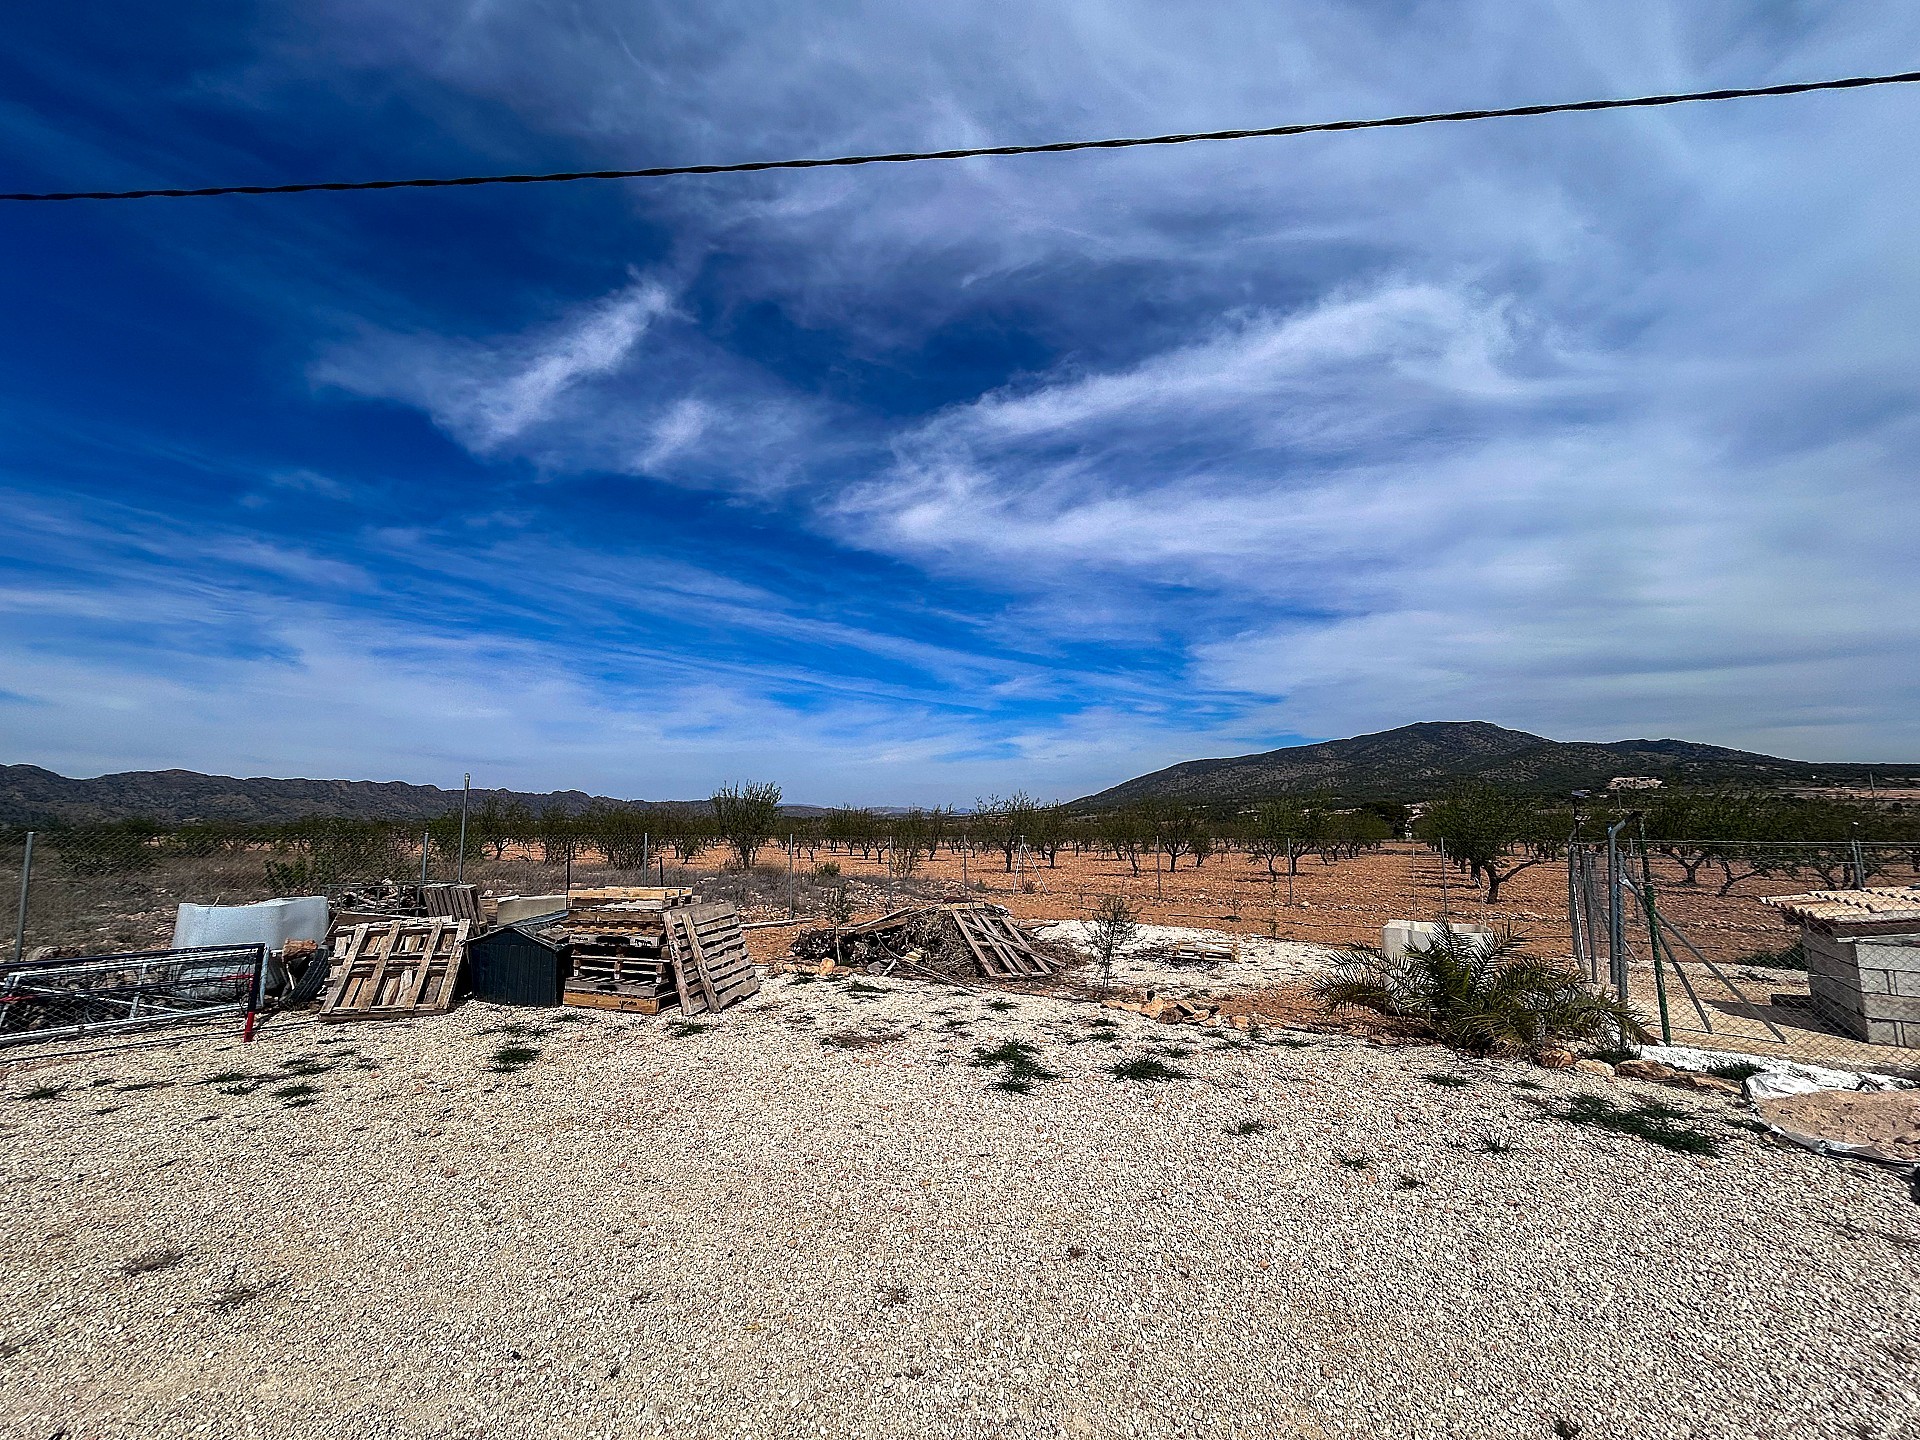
<point>1397,936</point>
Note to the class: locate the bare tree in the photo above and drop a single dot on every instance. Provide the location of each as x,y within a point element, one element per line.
<point>746,817</point>
<point>1114,924</point>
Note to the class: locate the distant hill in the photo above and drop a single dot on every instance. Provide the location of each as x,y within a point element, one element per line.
<point>1415,761</point>
<point>30,795</point>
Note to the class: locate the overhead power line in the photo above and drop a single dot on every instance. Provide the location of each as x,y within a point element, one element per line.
<point>1059,147</point>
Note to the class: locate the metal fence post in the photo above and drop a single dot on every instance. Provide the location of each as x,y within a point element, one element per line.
<point>460,863</point>
<point>426,849</point>
<point>20,923</point>
<point>1616,914</point>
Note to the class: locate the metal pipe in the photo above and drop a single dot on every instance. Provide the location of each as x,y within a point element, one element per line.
<point>426,849</point>
<point>20,922</point>
<point>1616,913</point>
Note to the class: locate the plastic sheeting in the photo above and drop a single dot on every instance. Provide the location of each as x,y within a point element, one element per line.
<point>270,923</point>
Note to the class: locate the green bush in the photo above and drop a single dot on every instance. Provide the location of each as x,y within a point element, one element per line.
<point>1486,999</point>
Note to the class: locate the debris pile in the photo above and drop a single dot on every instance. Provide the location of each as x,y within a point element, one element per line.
<point>952,941</point>
<point>640,948</point>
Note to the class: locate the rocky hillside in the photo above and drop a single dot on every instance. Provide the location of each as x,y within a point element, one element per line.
<point>1417,760</point>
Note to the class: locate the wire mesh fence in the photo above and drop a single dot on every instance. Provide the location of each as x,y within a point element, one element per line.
<point>111,994</point>
<point>1683,930</point>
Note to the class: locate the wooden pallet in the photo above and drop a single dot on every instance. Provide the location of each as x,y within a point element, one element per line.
<point>615,1000</point>
<point>711,967</point>
<point>455,902</point>
<point>396,969</point>
<point>622,894</point>
<point>997,944</point>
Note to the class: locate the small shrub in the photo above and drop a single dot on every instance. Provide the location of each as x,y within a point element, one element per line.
<point>1174,1052</point>
<point>1150,1068</point>
<point>827,870</point>
<point>1029,887</point>
<point>509,1059</point>
<point>1253,1125</point>
<point>1019,1065</point>
<point>1788,957</point>
<point>1483,999</point>
<point>686,1029</point>
<point>859,1039</point>
<point>1494,1145</point>
<point>1738,1071</point>
<point>1001,1005</point>
<point>1355,1161</point>
<point>297,1095</point>
<point>1447,1080</point>
<point>1649,1120</point>
<point>894,1294</point>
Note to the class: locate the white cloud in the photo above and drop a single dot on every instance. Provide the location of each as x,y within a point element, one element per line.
<point>488,394</point>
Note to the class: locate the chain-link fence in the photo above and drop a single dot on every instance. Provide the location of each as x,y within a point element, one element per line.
<point>1683,931</point>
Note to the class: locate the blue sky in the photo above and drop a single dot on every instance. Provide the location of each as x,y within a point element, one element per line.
<point>912,484</point>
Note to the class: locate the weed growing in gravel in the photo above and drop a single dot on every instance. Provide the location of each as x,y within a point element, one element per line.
<point>297,1095</point>
<point>1001,1005</point>
<point>1494,1145</point>
<point>1447,1080</point>
<point>1649,1120</point>
<point>1525,1084</point>
<point>509,1059</point>
<point>861,987</point>
<point>233,1292</point>
<point>859,1039</point>
<point>1738,1071</point>
<point>147,1262</point>
<point>962,1026</point>
<point>1291,1042</point>
<point>303,1066</point>
<point>686,1029</point>
<point>1359,1160</point>
<point>1147,1068</point>
<point>44,1092</point>
<point>519,1029</point>
<point>1019,1064</point>
<point>802,978</point>
<point>1250,1126</point>
<point>1565,1429</point>
<point>1174,1052</point>
<point>894,1294</point>
<point>1410,1182</point>
<point>134,1087</point>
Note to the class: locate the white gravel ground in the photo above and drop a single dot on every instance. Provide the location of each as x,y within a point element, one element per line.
<point>746,1231</point>
<point>1256,960</point>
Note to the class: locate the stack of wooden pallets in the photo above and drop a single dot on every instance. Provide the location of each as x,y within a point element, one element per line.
<point>641,949</point>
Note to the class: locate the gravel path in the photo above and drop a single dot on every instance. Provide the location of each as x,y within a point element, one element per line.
<point>1256,961</point>
<point>788,1223</point>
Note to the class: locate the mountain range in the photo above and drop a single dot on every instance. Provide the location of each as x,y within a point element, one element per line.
<point>1410,763</point>
<point>1416,761</point>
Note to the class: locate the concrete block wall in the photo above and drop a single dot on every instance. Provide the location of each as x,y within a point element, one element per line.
<point>1867,986</point>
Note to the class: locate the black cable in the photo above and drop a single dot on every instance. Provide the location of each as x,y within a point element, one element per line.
<point>1641,102</point>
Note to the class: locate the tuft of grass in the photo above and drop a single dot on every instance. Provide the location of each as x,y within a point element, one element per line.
<point>1148,1068</point>
<point>133,1087</point>
<point>44,1092</point>
<point>1359,1160</point>
<point>859,1039</point>
<point>510,1059</point>
<point>801,977</point>
<point>1738,1071</point>
<point>1447,1079</point>
<point>894,1294</point>
<point>1494,1145</point>
<point>1409,1182</point>
<point>1174,1052</point>
<point>1791,957</point>
<point>1253,1125</point>
<point>1525,1084</point>
<point>1019,1065</point>
<point>163,1257</point>
<point>1565,1429</point>
<point>306,1066</point>
<point>232,1293</point>
<point>686,1029</point>
<point>861,987</point>
<point>1648,1120</point>
<point>297,1095</point>
<point>1000,1004</point>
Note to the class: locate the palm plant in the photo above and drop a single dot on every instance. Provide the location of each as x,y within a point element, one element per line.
<point>1486,998</point>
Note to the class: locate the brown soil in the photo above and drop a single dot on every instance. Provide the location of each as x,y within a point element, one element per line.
<point>1888,1120</point>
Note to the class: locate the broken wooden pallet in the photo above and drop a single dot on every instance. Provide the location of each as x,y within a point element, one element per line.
<point>395,969</point>
<point>712,969</point>
<point>998,945</point>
